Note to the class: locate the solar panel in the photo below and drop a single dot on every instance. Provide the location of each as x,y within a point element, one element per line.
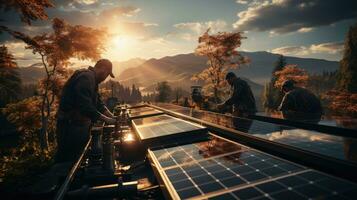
<point>217,168</point>
<point>313,141</point>
<point>308,184</point>
<point>143,112</point>
<point>157,129</point>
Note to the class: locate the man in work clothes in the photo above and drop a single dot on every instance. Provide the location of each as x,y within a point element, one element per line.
<point>299,103</point>
<point>241,99</point>
<point>80,106</point>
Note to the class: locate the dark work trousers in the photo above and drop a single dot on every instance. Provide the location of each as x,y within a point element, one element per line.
<point>72,137</point>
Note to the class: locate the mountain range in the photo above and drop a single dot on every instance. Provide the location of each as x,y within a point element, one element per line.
<point>178,70</point>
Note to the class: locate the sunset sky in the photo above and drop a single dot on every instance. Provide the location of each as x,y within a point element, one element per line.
<point>158,28</point>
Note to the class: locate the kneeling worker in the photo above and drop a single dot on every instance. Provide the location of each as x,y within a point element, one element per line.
<point>299,103</point>
<point>242,98</point>
<point>80,106</point>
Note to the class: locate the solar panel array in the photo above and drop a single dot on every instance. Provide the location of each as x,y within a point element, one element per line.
<point>313,141</point>
<point>221,169</point>
<point>143,112</point>
<point>165,126</point>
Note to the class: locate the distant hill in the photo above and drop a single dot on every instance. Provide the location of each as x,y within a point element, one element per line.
<point>119,67</point>
<point>178,70</point>
<point>31,74</point>
<point>35,72</point>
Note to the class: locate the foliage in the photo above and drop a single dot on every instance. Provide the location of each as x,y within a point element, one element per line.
<point>343,99</point>
<point>149,97</point>
<point>327,78</point>
<point>126,94</point>
<point>347,76</point>
<point>28,9</point>
<point>10,82</point>
<point>341,102</point>
<point>27,158</point>
<point>178,93</point>
<point>272,95</point>
<point>291,72</point>
<point>164,91</point>
<point>221,50</point>
<point>56,49</point>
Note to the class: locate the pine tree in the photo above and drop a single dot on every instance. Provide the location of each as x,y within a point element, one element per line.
<point>164,91</point>
<point>347,76</point>
<point>279,65</point>
<point>272,96</point>
<point>10,82</point>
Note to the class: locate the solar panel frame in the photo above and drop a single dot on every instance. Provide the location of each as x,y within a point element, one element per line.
<point>193,132</point>
<point>172,191</point>
<point>143,111</point>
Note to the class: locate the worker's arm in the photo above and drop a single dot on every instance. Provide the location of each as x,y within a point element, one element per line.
<point>287,103</point>
<point>84,90</point>
<point>237,90</point>
<point>103,108</point>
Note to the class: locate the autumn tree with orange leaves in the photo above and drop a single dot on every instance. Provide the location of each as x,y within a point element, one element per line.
<point>222,54</point>
<point>56,49</point>
<point>29,10</point>
<point>291,72</point>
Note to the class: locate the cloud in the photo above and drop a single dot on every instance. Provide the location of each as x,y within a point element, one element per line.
<point>191,30</point>
<point>284,16</point>
<point>291,50</point>
<point>23,57</point>
<point>327,48</point>
<point>127,11</point>
<point>242,1</point>
<point>201,27</point>
<point>330,47</point>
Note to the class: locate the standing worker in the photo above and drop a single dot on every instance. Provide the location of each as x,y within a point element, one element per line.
<point>241,99</point>
<point>79,107</point>
<point>299,103</point>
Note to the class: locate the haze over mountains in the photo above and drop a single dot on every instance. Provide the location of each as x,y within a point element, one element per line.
<point>178,70</point>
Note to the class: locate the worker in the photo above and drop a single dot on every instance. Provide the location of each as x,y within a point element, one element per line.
<point>299,103</point>
<point>241,99</point>
<point>80,106</point>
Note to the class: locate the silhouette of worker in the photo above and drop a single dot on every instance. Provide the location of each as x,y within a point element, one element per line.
<point>241,99</point>
<point>80,106</point>
<point>299,103</point>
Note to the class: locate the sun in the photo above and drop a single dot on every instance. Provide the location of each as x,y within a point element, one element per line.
<point>121,42</point>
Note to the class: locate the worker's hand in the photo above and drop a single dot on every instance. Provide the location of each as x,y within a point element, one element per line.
<point>220,107</point>
<point>108,120</point>
<point>108,113</point>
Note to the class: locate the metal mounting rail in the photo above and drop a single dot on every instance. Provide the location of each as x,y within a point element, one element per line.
<point>320,162</point>
<point>64,188</point>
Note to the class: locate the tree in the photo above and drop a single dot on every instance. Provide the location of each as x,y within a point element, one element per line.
<point>222,55</point>
<point>55,50</point>
<point>164,91</point>
<point>291,72</point>
<point>10,82</point>
<point>343,99</point>
<point>279,65</point>
<point>135,95</point>
<point>347,76</point>
<point>272,95</point>
<point>28,9</point>
<point>178,93</point>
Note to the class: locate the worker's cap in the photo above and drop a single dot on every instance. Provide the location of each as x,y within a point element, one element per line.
<point>288,84</point>
<point>230,75</point>
<point>106,64</point>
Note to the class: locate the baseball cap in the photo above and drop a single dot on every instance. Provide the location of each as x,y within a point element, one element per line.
<point>105,63</point>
